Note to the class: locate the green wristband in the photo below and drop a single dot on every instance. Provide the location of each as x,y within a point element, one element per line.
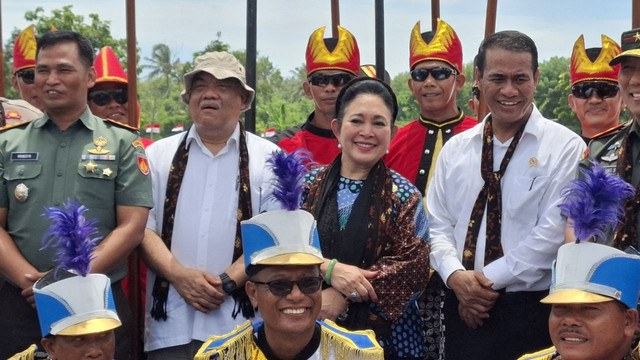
<point>327,277</point>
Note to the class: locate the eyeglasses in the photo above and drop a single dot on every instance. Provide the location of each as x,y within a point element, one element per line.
<point>336,79</point>
<point>103,97</point>
<point>602,89</point>
<point>27,76</point>
<point>282,287</point>
<point>438,73</point>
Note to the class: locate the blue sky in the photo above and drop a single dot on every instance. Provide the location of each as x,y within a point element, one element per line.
<point>284,26</point>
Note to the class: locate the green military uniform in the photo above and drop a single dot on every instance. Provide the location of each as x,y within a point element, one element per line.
<point>94,161</point>
<point>604,148</point>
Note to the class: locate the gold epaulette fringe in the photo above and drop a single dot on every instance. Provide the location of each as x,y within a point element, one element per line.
<point>28,354</point>
<point>236,345</point>
<point>341,347</point>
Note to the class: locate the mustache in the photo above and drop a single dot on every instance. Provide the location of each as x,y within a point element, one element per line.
<point>568,331</point>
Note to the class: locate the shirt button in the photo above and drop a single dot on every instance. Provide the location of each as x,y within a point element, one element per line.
<point>421,171</point>
<point>448,131</point>
<point>427,151</point>
<point>431,132</point>
<point>21,172</point>
<point>57,203</point>
<point>63,144</point>
<point>59,173</point>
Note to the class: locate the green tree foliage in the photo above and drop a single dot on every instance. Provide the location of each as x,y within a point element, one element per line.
<point>96,30</point>
<point>164,65</point>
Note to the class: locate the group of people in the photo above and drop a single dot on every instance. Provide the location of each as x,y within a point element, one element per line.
<point>436,240</point>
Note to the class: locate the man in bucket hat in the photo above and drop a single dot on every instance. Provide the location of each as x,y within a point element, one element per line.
<point>205,181</point>
<point>593,308</point>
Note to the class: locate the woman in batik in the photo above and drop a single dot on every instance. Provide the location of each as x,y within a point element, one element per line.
<point>372,225</point>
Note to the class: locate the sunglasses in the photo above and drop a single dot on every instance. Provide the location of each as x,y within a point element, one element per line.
<point>336,79</point>
<point>282,288</point>
<point>438,73</point>
<point>27,76</point>
<point>601,89</point>
<point>103,97</point>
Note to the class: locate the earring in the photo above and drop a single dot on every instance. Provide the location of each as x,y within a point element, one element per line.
<point>386,152</point>
<point>339,146</point>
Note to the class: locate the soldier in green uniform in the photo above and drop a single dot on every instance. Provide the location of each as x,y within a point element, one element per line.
<point>618,149</point>
<point>67,153</point>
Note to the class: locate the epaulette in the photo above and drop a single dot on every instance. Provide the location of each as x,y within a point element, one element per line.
<point>15,125</point>
<point>546,354</point>
<point>126,126</point>
<point>612,130</point>
<point>237,344</point>
<point>28,354</point>
<point>347,344</point>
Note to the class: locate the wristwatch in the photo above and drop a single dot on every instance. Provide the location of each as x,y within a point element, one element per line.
<point>228,284</point>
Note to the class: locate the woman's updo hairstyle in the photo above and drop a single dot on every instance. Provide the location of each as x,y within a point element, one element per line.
<point>366,85</point>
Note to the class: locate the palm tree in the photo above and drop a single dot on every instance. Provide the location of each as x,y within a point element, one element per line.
<point>163,65</point>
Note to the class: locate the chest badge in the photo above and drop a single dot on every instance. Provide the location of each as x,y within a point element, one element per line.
<point>610,158</point>
<point>533,161</point>
<point>100,143</point>
<point>90,167</point>
<point>21,192</point>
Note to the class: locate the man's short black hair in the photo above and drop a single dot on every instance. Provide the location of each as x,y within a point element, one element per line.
<point>509,40</point>
<point>85,48</point>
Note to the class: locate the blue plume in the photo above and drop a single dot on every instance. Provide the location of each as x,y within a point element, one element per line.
<point>289,171</point>
<point>594,201</point>
<point>70,233</point>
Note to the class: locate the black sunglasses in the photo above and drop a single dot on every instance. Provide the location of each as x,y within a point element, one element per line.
<point>282,287</point>
<point>27,76</point>
<point>438,73</point>
<point>602,89</point>
<point>336,79</point>
<point>103,97</point>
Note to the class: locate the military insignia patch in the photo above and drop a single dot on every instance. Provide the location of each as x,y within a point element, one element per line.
<point>585,154</point>
<point>13,115</point>
<point>610,158</point>
<point>137,143</point>
<point>143,164</point>
<point>99,143</point>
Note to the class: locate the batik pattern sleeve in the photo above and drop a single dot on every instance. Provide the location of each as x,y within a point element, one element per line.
<point>404,263</point>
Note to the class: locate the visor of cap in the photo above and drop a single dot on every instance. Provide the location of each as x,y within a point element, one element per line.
<point>291,259</point>
<point>629,53</point>
<point>571,296</point>
<point>91,326</point>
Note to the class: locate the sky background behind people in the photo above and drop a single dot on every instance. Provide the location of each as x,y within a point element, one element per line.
<point>284,26</point>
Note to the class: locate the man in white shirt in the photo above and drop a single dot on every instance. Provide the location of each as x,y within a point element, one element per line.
<point>192,242</point>
<point>493,242</point>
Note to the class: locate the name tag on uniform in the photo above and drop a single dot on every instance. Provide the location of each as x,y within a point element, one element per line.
<point>24,156</point>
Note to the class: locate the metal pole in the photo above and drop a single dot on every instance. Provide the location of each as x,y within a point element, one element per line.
<point>489,28</point>
<point>335,17</point>
<point>635,14</point>
<point>435,14</point>
<point>133,261</point>
<point>250,115</point>
<point>379,15</point>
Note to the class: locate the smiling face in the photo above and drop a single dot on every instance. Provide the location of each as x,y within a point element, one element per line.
<point>100,346</point>
<point>62,79</point>
<point>113,110</point>
<point>437,98</point>
<point>595,113</point>
<point>293,315</point>
<point>592,331</point>
<point>364,132</point>
<point>508,84</point>
<point>629,80</point>
<point>215,105</point>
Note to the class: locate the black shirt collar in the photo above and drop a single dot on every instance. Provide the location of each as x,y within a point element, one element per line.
<point>308,126</point>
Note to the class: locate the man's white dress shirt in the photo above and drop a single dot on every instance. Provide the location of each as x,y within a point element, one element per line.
<point>204,228</point>
<point>543,163</point>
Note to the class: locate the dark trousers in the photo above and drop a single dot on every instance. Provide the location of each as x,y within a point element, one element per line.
<point>20,328</point>
<point>518,324</point>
